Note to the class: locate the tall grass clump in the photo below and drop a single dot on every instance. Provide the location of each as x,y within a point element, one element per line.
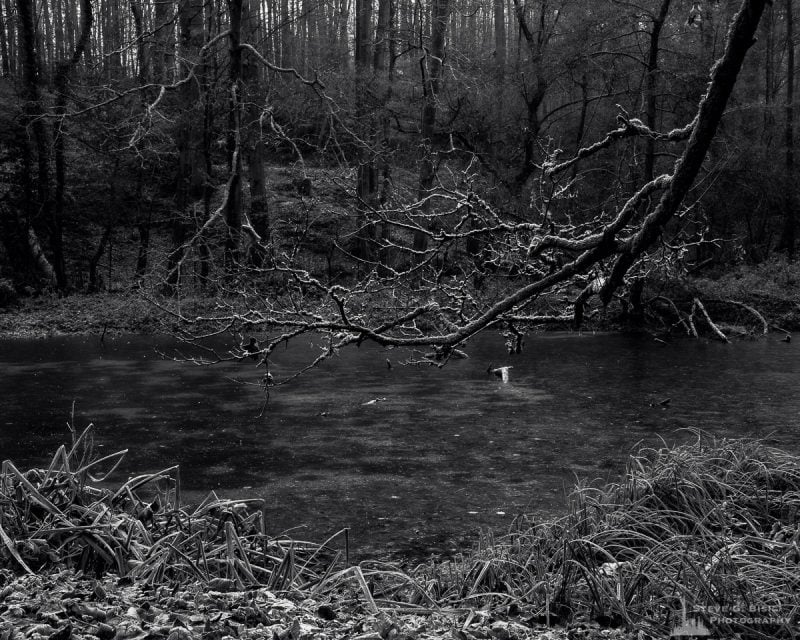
<point>56,517</point>
<point>706,531</point>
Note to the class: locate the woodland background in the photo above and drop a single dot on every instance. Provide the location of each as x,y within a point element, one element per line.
<point>164,142</point>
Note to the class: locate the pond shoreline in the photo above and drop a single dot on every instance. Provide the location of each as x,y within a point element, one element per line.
<point>98,314</point>
<point>159,570</point>
<point>114,314</point>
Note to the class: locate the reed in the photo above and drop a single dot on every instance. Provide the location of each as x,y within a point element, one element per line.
<point>54,517</point>
<point>711,526</point>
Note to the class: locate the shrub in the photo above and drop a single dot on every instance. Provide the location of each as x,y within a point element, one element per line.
<point>8,294</point>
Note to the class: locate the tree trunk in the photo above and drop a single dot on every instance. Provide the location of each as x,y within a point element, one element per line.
<point>651,85</point>
<point>500,40</point>
<point>709,114</point>
<point>383,71</point>
<point>24,251</point>
<point>344,41</point>
<point>13,43</point>
<point>258,210</point>
<point>46,57</point>
<point>5,61</point>
<point>535,93</point>
<point>287,58</point>
<point>164,45</point>
<point>63,70</point>
<point>94,261</point>
<point>768,26</point>
<point>367,172</point>
<point>432,68</point>
<point>34,117</point>
<point>141,45</point>
<point>188,137</point>
<point>111,219</point>
<point>788,239</point>
<point>233,205</point>
<point>144,246</point>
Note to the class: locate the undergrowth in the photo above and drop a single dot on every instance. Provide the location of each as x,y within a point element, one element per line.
<point>707,530</point>
<point>776,279</point>
<point>711,527</point>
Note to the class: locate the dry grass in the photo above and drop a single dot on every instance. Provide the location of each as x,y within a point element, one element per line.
<point>711,526</point>
<point>54,516</point>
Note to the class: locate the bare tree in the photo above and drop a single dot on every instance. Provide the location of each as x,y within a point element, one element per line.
<point>188,136</point>
<point>788,237</point>
<point>433,306</point>
<point>431,65</point>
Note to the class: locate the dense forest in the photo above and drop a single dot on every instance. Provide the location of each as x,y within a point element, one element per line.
<point>407,172</point>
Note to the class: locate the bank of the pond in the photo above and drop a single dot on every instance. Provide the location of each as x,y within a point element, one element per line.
<point>81,314</point>
<point>776,297</point>
<point>701,537</point>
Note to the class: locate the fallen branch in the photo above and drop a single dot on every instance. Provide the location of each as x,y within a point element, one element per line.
<point>747,307</point>
<point>688,327</point>
<point>696,304</point>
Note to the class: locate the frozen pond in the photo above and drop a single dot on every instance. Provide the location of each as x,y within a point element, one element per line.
<point>414,460</point>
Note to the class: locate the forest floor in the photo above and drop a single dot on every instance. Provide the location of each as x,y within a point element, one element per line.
<point>64,605</point>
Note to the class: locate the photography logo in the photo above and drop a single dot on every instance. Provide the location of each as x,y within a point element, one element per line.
<point>746,615</point>
<point>689,627</point>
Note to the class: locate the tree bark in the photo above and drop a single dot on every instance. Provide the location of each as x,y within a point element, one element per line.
<point>366,173</point>
<point>233,205</point>
<point>163,57</point>
<point>788,237</point>
<point>143,227</point>
<point>63,70</point>
<point>534,94</point>
<point>12,42</point>
<point>5,60</point>
<point>500,40</point>
<point>141,46</point>
<point>287,58</point>
<point>651,86</point>
<point>258,210</point>
<point>432,70</point>
<point>768,26</point>
<point>188,136</point>
<point>34,117</point>
<point>344,19</point>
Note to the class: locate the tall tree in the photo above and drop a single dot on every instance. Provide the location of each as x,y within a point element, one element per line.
<point>233,195</point>
<point>163,56</point>
<point>5,60</point>
<point>534,80</point>
<point>254,96</point>
<point>188,136</point>
<point>651,86</point>
<point>500,39</point>
<point>63,70</point>
<point>367,172</point>
<point>788,238</point>
<point>33,117</point>
<point>703,130</point>
<point>432,77</point>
